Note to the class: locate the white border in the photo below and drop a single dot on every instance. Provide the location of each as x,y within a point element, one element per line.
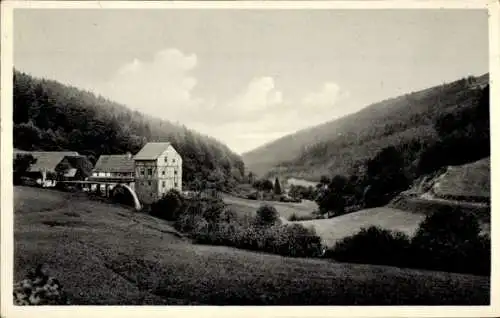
<point>8,310</point>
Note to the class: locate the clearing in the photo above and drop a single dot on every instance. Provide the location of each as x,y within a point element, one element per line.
<point>105,254</point>
<point>334,229</point>
<point>285,209</point>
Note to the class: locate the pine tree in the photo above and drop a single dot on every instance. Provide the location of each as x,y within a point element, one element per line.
<point>277,186</point>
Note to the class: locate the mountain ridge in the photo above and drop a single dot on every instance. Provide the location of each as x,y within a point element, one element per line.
<point>309,153</point>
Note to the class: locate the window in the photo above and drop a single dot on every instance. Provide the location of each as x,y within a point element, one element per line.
<point>149,183</point>
<point>150,171</point>
<point>163,172</point>
<point>163,183</point>
<point>166,159</point>
<point>142,172</point>
<point>175,184</point>
<point>175,171</point>
<point>173,160</point>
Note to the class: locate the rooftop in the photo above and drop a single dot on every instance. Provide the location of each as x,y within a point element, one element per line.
<point>46,160</point>
<point>115,163</point>
<point>151,151</point>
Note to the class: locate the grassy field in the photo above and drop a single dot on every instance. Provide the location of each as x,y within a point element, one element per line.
<point>106,254</point>
<point>334,229</point>
<point>285,209</point>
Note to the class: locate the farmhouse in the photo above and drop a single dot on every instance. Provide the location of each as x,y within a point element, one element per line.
<point>114,166</point>
<point>158,168</point>
<point>44,169</point>
<point>114,169</point>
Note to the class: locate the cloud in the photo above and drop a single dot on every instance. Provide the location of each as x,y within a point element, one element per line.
<point>160,86</point>
<point>261,114</point>
<point>163,87</point>
<point>329,95</point>
<point>260,94</point>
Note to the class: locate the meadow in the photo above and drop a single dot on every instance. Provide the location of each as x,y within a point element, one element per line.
<point>110,255</point>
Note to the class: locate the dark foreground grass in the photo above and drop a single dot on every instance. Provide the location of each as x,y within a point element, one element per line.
<point>115,256</point>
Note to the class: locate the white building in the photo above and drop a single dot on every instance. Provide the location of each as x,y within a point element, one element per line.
<point>158,168</point>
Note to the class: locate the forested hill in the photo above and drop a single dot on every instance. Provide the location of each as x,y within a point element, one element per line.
<point>51,116</point>
<point>343,145</point>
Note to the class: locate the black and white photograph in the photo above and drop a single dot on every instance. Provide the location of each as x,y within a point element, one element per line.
<point>247,156</point>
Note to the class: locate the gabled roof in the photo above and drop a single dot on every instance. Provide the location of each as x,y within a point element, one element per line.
<point>114,163</point>
<point>81,163</point>
<point>47,160</point>
<point>151,151</point>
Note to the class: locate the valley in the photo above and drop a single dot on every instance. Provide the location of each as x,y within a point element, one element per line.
<point>106,254</point>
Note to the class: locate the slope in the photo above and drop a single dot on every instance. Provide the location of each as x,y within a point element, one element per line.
<point>51,116</point>
<point>105,254</point>
<point>338,146</point>
<point>337,228</point>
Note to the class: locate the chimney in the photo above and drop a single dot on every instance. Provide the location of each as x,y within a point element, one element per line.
<point>129,155</point>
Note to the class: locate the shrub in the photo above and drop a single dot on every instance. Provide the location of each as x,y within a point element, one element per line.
<point>373,245</point>
<point>267,216</point>
<point>21,164</point>
<point>294,217</point>
<point>450,240</point>
<point>38,288</point>
<point>296,240</point>
<point>169,206</point>
<point>187,223</point>
<point>210,221</point>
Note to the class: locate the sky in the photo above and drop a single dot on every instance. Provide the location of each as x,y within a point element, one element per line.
<point>247,77</point>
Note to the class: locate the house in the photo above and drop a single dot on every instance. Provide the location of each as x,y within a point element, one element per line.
<point>72,168</point>
<point>158,168</point>
<point>44,169</point>
<point>118,168</point>
<point>114,166</point>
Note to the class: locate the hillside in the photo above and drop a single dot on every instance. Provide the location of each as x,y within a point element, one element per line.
<point>465,187</point>
<point>51,116</point>
<point>339,146</point>
<point>467,182</point>
<point>106,254</point>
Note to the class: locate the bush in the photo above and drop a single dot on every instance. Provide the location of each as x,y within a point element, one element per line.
<point>169,206</point>
<point>38,288</point>
<point>21,164</point>
<point>373,245</point>
<point>294,217</point>
<point>267,216</point>
<point>450,240</point>
<point>295,240</point>
<point>187,223</point>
